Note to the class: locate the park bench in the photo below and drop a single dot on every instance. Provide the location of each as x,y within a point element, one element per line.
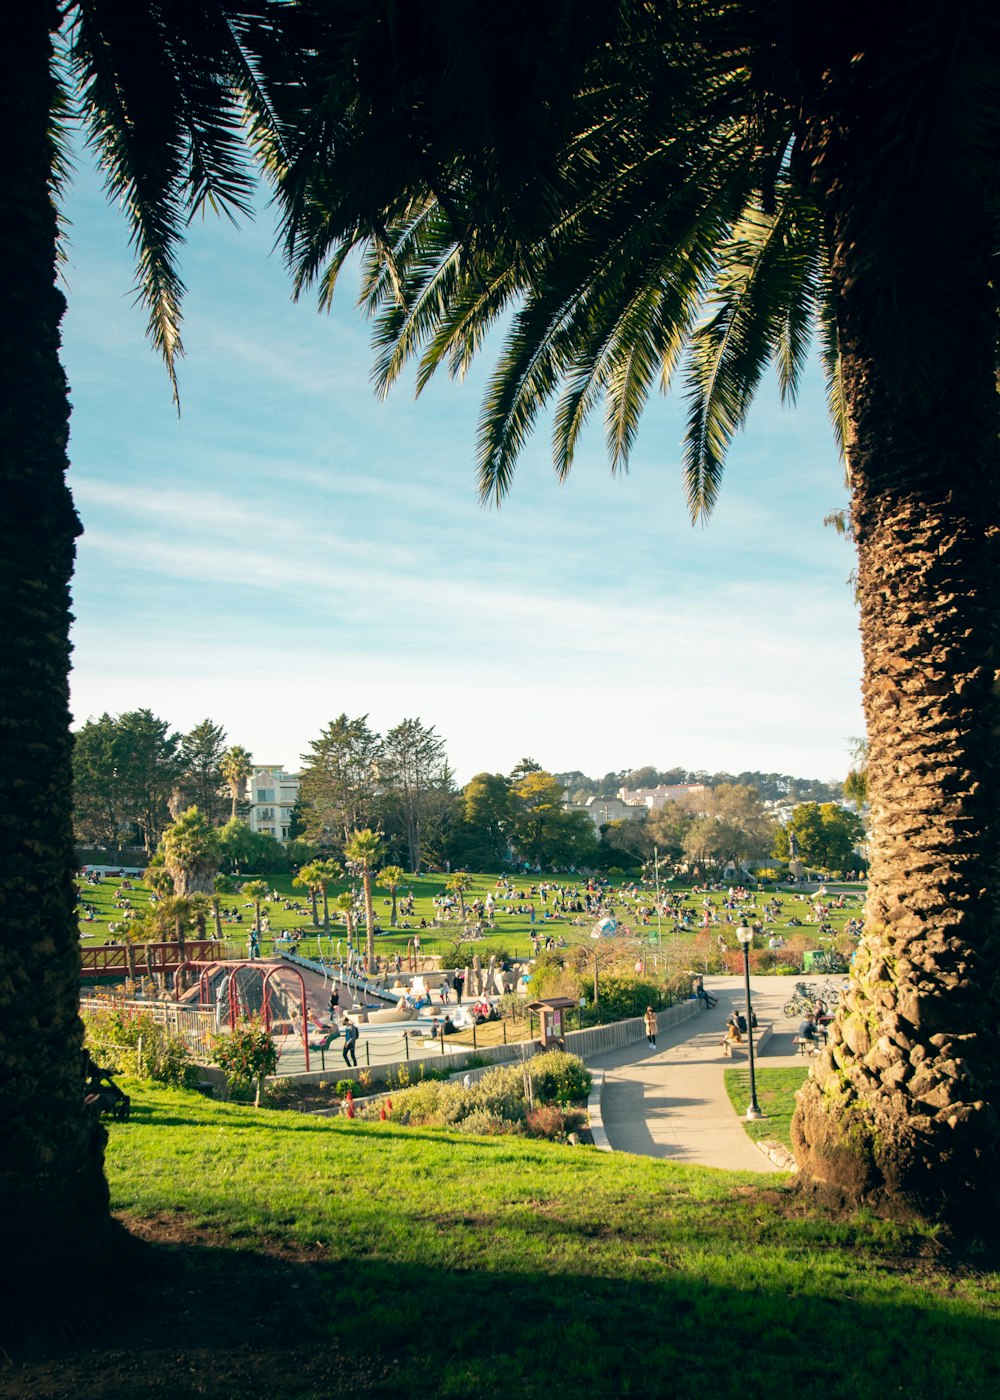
<point>807,1046</point>
<point>762,1033</point>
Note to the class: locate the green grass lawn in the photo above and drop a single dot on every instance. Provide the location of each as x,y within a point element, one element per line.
<point>776,1090</point>
<point>453,1266</point>
<point>511,934</point>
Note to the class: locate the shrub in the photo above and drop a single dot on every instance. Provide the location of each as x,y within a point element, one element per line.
<point>481,1121</point>
<point>545,1120</point>
<point>246,1055</point>
<point>114,1036</point>
<point>559,1078</point>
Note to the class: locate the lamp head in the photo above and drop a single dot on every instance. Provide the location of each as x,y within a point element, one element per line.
<point>745,935</point>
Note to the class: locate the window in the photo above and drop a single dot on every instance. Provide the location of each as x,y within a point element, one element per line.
<point>265,794</point>
<point>266,815</point>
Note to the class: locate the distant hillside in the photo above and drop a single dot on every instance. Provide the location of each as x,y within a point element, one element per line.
<point>771,786</point>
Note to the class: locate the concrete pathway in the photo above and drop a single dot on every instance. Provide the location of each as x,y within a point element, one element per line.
<point>671,1102</point>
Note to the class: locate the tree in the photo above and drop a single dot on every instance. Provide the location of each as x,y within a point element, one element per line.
<point>236,765</point>
<point>363,853</point>
<point>221,885</point>
<point>344,904</point>
<point>825,834</point>
<point>706,185</point>
<point>201,754</point>
<point>390,878</point>
<point>667,827</point>
<point>243,849</point>
<point>856,782</point>
<point>482,835</point>
<point>414,776</point>
<point>308,879</point>
<point>459,884</point>
<point>339,776</point>
<point>98,800</point>
<point>125,769</point>
<point>748,828</point>
<point>191,853</point>
<point>172,914</point>
<point>256,890</point>
<point>326,873</point>
<point>148,767</point>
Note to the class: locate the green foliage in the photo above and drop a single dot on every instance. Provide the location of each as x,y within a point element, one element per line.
<point>557,1077</point>
<point>116,1036</point>
<point>621,996</point>
<point>191,852</point>
<point>443,1230</point>
<point>826,834</point>
<point>497,1101</point>
<point>243,849</point>
<point>246,1054</point>
<point>124,771</point>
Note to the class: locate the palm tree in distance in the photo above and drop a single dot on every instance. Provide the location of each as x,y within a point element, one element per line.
<point>170,96</point>
<point>327,873</point>
<point>344,904</point>
<point>363,853</point>
<point>236,765</point>
<point>459,884</point>
<point>703,188</point>
<point>191,853</point>
<point>256,891</point>
<point>307,878</point>
<point>390,878</point>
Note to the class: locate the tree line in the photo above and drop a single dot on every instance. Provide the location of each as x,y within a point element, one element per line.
<point>134,775</point>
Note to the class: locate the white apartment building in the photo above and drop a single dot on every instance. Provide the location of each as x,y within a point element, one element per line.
<point>272,795</point>
<point>656,797</point>
<point>601,810</point>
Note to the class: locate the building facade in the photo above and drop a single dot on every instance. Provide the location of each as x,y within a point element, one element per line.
<point>272,795</point>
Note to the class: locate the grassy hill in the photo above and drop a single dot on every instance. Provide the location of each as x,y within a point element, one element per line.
<point>302,1257</point>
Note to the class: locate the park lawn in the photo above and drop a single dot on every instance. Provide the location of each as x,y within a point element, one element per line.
<point>454,1266</point>
<point>776,1090</point>
<point>512,934</point>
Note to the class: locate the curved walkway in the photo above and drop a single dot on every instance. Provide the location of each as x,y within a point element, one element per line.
<point>671,1102</point>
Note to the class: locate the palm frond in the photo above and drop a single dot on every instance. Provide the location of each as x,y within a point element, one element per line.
<point>165,91</point>
<point>760,293</point>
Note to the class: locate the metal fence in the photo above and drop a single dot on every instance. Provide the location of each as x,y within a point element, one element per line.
<point>195,1025</point>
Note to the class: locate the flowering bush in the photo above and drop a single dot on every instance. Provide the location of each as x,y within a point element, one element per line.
<point>246,1055</point>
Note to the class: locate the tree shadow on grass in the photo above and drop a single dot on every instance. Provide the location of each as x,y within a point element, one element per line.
<point>204,1318</point>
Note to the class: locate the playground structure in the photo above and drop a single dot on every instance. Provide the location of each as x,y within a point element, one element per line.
<point>238,1005</point>
<point>110,961</point>
<point>244,989</point>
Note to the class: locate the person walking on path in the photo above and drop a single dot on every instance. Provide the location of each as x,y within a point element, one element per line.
<point>351,1045</point>
<point>651,1026</point>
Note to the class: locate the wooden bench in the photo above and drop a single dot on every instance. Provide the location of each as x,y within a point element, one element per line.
<point>807,1045</point>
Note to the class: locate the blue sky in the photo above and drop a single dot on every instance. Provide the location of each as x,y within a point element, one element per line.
<point>290,547</point>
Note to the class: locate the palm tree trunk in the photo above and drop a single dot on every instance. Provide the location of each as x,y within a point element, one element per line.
<point>366,881</point>
<point>53,1197</point>
<point>218,920</point>
<point>901,1109</point>
<point>312,895</point>
<point>326,911</point>
<point>393,916</point>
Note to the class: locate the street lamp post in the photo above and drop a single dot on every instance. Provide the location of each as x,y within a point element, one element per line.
<point>659,918</point>
<point>745,936</point>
